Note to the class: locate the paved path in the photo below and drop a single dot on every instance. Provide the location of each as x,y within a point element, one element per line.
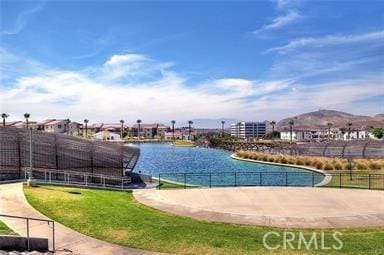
<point>273,206</point>
<point>13,202</point>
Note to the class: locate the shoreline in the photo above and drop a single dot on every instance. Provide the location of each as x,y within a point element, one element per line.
<point>327,177</point>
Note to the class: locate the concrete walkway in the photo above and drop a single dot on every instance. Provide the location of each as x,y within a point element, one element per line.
<point>13,202</point>
<point>273,206</point>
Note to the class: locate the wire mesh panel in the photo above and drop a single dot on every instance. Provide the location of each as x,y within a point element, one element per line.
<point>62,153</point>
<point>356,148</point>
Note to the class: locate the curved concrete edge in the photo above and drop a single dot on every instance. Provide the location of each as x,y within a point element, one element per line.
<point>14,202</point>
<point>153,200</point>
<point>175,182</point>
<point>327,177</point>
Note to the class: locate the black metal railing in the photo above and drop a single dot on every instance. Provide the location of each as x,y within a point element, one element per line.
<point>27,222</point>
<point>285,179</point>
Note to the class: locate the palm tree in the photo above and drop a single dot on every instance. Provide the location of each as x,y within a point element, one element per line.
<point>349,124</point>
<point>138,130</point>
<point>190,122</point>
<point>121,128</point>
<point>26,116</point>
<point>4,116</point>
<point>329,124</point>
<point>173,129</point>
<point>86,127</point>
<point>273,123</point>
<point>222,128</point>
<point>291,123</point>
<point>66,123</point>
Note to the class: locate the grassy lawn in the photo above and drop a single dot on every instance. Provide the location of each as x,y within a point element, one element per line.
<point>183,143</point>
<point>116,217</point>
<point>5,230</point>
<point>358,179</point>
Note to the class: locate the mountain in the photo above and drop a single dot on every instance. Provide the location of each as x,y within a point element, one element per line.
<point>339,119</point>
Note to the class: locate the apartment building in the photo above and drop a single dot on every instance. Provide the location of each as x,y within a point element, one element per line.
<point>246,130</point>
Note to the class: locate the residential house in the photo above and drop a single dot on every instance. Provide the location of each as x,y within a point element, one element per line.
<point>150,130</point>
<point>107,136</point>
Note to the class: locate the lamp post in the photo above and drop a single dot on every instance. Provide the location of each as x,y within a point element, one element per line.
<point>30,181</point>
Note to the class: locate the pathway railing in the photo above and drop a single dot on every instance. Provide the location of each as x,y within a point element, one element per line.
<point>79,179</point>
<point>283,179</point>
<point>27,222</point>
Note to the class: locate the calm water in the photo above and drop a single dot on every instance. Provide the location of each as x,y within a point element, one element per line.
<point>213,166</point>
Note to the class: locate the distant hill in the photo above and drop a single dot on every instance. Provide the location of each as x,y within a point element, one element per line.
<point>339,119</point>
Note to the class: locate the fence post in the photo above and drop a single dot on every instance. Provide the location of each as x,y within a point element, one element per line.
<point>210,180</point>
<point>235,179</point>
<point>53,236</point>
<point>185,180</point>
<point>369,181</point>
<point>159,182</point>
<point>28,244</point>
<point>313,179</point>
<point>260,179</point>
<point>286,179</point>
<point>339,180</point>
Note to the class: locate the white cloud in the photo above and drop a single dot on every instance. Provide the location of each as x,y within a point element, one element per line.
<point>330,40</point>
<point>21,20</point>
<point>280,22</point>
<point>80,94</point>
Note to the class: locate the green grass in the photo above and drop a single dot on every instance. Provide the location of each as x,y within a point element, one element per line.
<point>183,143</point>
<point>5,230</point>
<point>116,217</point>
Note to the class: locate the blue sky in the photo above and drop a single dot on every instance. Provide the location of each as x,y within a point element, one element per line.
<point>163,60</point>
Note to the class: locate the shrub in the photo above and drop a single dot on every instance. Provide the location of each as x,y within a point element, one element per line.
<point>308,161</point>
<point>328,166</point>
<point>319,165</point>
<point>264,158</point>
<point>300,161</point>
<point>361,166</point>
<point>283,160</point>
<point>338,166</point>
<point>374,165</point>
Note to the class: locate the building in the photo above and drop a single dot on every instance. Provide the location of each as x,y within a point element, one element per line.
<point>73,127</point>
<point>150,130</point>
<point>246,130</point>
<point>107,136</point>
<point>55,126</point>
<point>41,124</point>
<point>180,135</point>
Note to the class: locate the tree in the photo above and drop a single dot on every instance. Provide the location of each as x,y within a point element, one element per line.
<point>273,123</point>
<point>138,129</point>
<point>329,124</point>
<point>86,127</point>
<point>26,116</point>
<point>66,123</point>
<point>291,123</point>
<point>349,125</point>
<point>121,128</point>
<point>222,128</point>
<point>4,116</point>
<point>377,132</point>
<point>173,129</point>
<point>190,122</point>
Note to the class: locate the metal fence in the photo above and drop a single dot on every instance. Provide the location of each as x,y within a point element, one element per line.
<point>60,152</point>
<point>357,149</point>
<point>28,221</point>
<point>282,179</point>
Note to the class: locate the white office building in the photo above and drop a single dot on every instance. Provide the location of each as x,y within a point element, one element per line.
<point>248,129</point>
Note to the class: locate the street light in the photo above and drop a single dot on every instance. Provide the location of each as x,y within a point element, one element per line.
<point>30,180</point>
